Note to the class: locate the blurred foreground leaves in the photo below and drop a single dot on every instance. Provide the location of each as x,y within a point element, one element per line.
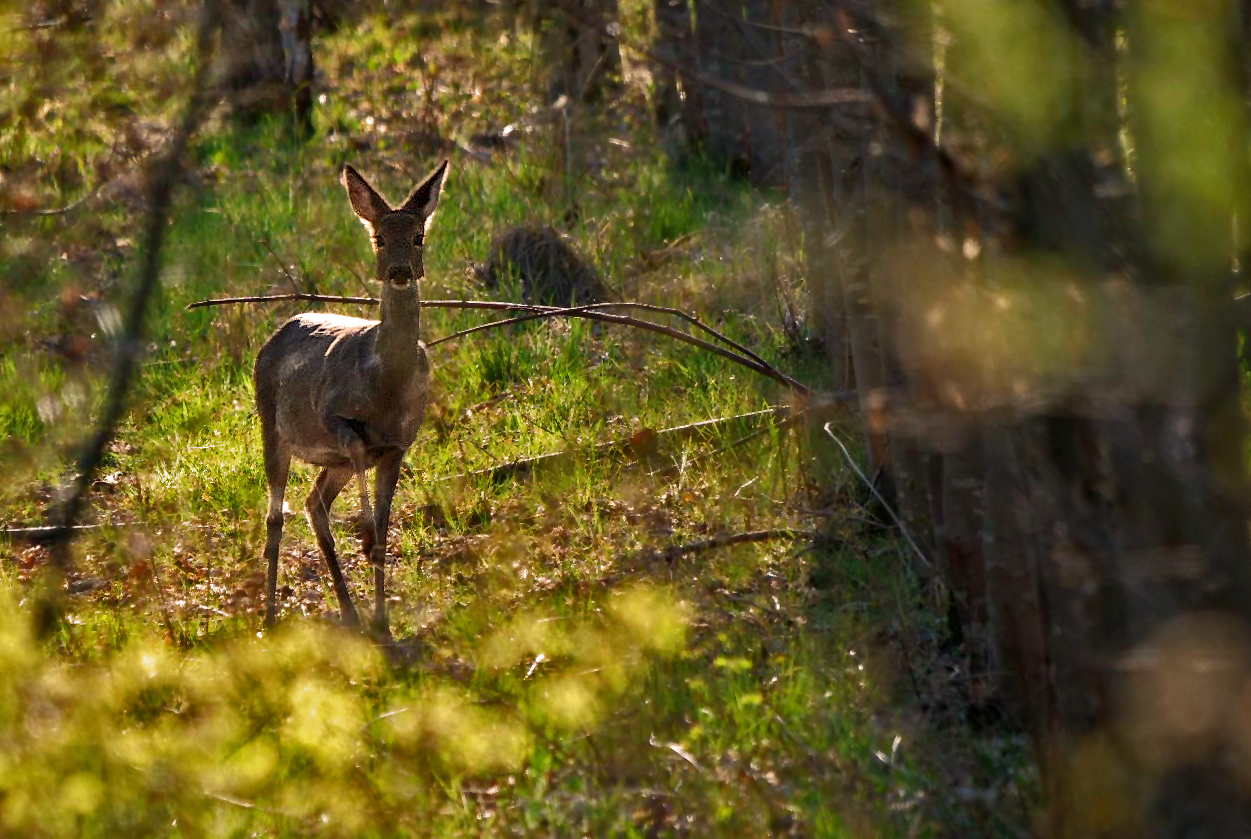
<point>310,727</point>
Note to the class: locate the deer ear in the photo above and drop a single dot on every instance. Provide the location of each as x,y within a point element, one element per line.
<point>424,198</point>
<point>369,206</point>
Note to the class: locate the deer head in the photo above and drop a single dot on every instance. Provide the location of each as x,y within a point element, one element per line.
<point>397,233</point>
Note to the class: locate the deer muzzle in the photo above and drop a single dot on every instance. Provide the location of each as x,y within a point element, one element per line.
<point>400,275</point>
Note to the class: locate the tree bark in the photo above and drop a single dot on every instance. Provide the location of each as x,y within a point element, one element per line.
<point>268,59</point>
<point>719,50</point>
<point>583,60</point>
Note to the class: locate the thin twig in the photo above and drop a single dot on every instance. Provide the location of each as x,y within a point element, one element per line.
<point>281,266</point>
<point>246,805</point>
<point>359,279</point>
<point>873,489</point>
<point>677,750</point>
<point>42,535</point>
<point>57,211</point>
<point>159,586</point>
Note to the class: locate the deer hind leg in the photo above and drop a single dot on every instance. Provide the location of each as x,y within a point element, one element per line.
<point>368,524</point>
<point>385,479</point>
<point>277,468</point>
<point>325,490</point>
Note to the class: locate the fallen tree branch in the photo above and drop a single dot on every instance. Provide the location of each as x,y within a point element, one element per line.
<point>549,311</point>
<point>482,304</point>
<point>747,359</point>
<point>750,361</point>
<point>43,534</point>
<point>493,305</point>
<point>783,424</point>
<point>677,432</point>
<point>815,411</point>
<point>724,541</point>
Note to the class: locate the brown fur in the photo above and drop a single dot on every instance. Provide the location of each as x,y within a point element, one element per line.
<point>550,271</point>
<point>349,394</point>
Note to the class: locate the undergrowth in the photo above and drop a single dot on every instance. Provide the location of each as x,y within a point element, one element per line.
<point>556,673</point>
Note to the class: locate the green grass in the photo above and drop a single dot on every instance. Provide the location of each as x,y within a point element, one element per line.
<point>554,675</point>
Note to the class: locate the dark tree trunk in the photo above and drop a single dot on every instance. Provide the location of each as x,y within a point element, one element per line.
<point>818,158</point>
<point>678,102</point>
<point>1016,615</point>
<point>582,59</point>
<point>1083,503</point>
<point>1184,465</point>
<point>268,59</point>
<point>891,229</point>
<point>719,50</point>
<point>764,68</point>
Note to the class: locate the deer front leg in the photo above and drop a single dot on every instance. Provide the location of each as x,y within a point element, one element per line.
<point>385,480</point>
<point>350,434</point>
<point>277,468</point>
<point>317,506</point>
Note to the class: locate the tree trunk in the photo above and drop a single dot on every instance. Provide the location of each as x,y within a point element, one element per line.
<point>679,98</point>
<point>819,157</point>
<point>891,233</point>
<point>583,60</point>
<point>719,50</point>
<point>268,58</point>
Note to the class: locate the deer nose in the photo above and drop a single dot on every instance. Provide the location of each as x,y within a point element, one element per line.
<point>400,275</point>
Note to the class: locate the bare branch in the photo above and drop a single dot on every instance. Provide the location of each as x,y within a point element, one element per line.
<point>646,307</point>
<point>878,495</point>
<point>278,298</point>
<point>57,211</point>
<point>747,359</point>
<point>751,361</point>
<point>281,265</point>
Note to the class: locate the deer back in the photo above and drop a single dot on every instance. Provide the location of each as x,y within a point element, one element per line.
<point>373,375</point>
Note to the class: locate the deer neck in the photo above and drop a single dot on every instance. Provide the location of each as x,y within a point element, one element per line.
<point>398,341</point>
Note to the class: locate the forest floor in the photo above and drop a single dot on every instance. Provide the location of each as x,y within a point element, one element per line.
<point>562,666</point>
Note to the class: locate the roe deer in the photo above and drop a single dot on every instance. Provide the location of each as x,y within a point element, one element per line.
<point>348,394</point>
